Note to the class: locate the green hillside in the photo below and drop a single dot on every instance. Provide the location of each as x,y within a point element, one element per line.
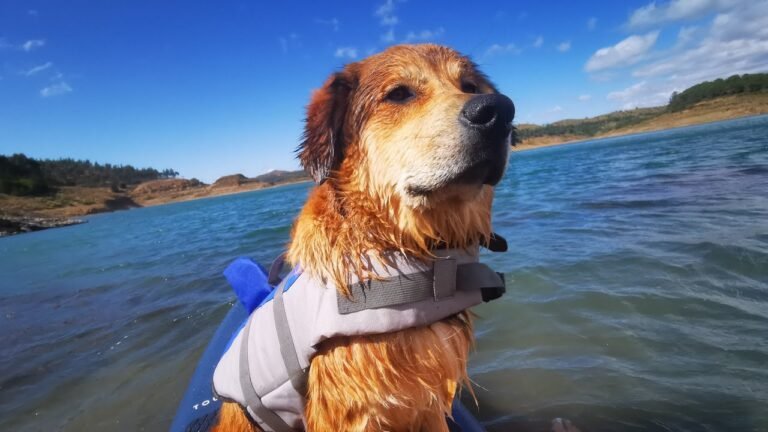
<point>736,84</point>
<point>21,175</point>
<point>605,124</point>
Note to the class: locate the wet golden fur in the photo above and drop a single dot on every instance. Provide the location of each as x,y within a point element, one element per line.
<point>367,151</point>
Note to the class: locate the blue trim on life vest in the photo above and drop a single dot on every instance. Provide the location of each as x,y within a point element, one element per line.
<point>251,281</point>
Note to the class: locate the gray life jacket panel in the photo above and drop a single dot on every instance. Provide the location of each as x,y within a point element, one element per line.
<point>265,367</point>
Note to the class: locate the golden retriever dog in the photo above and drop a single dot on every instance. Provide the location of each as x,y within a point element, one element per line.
<point>406,146</point>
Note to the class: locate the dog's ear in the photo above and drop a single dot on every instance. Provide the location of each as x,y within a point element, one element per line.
<point>322,148</point>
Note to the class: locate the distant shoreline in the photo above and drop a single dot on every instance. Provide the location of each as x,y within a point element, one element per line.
<point>10,225</point>
<point>220,192</point>
<point>36,213</point>
<point>22,220</point>
<point>709,111</point>
<point>523,147</point>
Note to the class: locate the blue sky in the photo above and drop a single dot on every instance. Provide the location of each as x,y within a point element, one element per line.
<point>214,88</point>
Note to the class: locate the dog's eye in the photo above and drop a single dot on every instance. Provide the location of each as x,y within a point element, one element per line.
<point>469,87</point>
<point>400,94</point>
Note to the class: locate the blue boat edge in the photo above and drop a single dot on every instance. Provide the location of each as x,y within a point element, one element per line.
<point>198,409</point>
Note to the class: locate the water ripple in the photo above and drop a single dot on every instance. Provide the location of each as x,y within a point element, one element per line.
<point>637,293</point>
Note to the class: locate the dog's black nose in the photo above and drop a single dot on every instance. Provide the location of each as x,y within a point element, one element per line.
<point>490,114</point>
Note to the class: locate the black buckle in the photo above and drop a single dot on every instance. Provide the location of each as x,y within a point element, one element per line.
<point>273,278</point>
<point>497,243</point>
<point>492,293</point>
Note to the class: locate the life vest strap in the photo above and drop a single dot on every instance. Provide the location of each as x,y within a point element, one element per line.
<point>268,420</point>
<point>439,282</point>
<point>297,375</point>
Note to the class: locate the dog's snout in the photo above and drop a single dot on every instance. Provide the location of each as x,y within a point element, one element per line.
<point>488,113</point>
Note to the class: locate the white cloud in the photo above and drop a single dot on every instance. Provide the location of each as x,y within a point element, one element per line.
<point>387,18</point>
<point>627,52</point>
<point>386,13</point>
<point>346,52</point>
<point>640,95</point>
<point>585,97</point>
<point>747,22</point>
<point>556,109</point>
<point>676,10</point>
<point>685,35</point>
<point>591,23</point>
<point>37,69</point>
<point>56,89</point>
<point>538,42</point>
<point>712,59</point>
<point>32,44</point>
<point>25,46</point>
<point>564,46</point>
<point>498,49</point>
<point>287,43</point>
<point>736,43</point>
<point>628,92</point>
<point>424,35</point>
<point>332,23</point>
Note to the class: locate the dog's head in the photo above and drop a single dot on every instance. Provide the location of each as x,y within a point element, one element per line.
<point>421,121</point>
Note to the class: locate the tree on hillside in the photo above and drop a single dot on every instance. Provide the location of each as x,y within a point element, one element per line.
<point>674,96</point>
<point>20,175</point>
<point>735,84</point>
<point>169,173</point>
<point>591,126</point>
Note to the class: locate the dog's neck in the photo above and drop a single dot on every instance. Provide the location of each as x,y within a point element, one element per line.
<point>337,227</point>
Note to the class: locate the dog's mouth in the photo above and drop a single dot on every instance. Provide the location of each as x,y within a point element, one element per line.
<point>475,175</point>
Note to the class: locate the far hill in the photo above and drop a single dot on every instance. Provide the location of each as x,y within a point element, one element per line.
<point>271,178</point>
<point>733,85</point>
<point>167,185</point>
<point>173,190</point>
<point>722,99</point>
<point>277,176</point>
<point>233,180</point>
<point>37,194</point>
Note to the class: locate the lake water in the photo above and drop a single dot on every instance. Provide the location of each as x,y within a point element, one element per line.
<point>637,293</point>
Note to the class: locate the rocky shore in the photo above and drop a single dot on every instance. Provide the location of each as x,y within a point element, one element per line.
<point>63,207</point>
<point>10,225</point>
